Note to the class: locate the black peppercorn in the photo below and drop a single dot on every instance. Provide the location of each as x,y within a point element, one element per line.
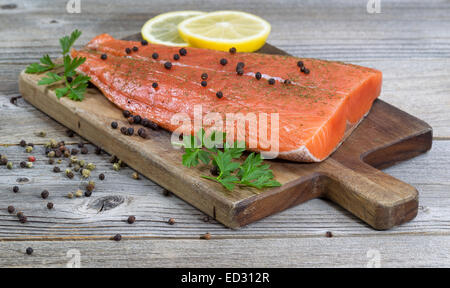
<point>23,143</point>
<point>144,42</point>
<point>328,234</point>
<point>29,251</point>
<point>130,131</point>
<point>176,57</point>
<point>98,150</point>
<point>300,64</point>
<point>23,219</point>
<point>58,153</point>
<point>56,169</point>
<point>88,193</point>
<point>117,237</point>
<point>152,125</point>
<point>155,85</point>
<point>215,171</point>
<point>204,76</point>
<point>137,119</point>
<point>126,113</point>
<point>171,221</point>
<point>135,49</point>
<point>84,150</point>
<point>240,71</point>
<point>204,83</point>
<point>168,65</point>
<point>219,94</point>
<point>130,120</point>
<point>271,81</point>
<point>101,176</point>
<point>155,56</point>
<point>16,189</point>
<point>70,175</point>
<point>44,194</point>
<point>306,71</point>
<point>11,209</point>
<point>223,61</point>
<point>114,125</point>
<point>287,82</point>
<point>69,79</point>
<point>50,205</point>
<point>232,50</point>
<point>123,130</point>
<point>240,64</point>
<point>74,151</point>
<point>128,50</point>
<point>131,219</point>
<point>183,51</point>
<point>23,164</point>
<point>104,56</point>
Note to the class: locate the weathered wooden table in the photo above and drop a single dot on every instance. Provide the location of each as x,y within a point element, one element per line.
<point>409,41</point>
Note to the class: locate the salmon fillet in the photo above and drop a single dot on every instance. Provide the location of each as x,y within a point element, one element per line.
<point>316,110</point>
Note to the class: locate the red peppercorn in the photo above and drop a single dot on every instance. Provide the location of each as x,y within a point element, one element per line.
<point>31,159</point>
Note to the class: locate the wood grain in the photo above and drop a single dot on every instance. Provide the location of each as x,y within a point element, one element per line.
<point>397,251</point>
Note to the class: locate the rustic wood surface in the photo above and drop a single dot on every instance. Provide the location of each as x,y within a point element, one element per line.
<point>408,41</point>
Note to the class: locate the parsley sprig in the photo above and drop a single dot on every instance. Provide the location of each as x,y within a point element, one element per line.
<point>77,85</point>
<point>252,172</point>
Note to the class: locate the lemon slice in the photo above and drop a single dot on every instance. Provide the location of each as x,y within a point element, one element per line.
<point>162,29</point>
<point>222,30</point>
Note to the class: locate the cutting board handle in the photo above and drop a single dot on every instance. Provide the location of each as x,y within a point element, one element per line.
<point>377,198</point>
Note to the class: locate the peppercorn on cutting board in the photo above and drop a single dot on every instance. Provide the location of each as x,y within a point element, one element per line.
<point>350,177</point>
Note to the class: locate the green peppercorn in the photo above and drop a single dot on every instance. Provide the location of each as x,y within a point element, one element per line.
<point>135,176</point>
<point>9,165</point>
<point>86,173</point>
<point>70,195</point>
<point>116,166</point>
<point>29,164</point>
<point>90,166</point>
<point>51,154</point>
<point>79,193</point>
<point>28,149</point>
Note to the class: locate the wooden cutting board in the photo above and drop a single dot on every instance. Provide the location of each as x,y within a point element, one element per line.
<point>350,177</point>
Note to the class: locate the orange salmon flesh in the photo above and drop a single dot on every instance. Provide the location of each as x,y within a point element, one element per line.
<point>316,111</point>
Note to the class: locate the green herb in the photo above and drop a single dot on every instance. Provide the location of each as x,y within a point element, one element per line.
<point>73,89</point>
<point>252,172</point>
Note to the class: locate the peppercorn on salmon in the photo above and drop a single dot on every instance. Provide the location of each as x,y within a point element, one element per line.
<point>318,102</point>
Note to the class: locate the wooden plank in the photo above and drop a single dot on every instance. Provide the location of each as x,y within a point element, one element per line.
<point>396,251</point>
<point>80,219</point>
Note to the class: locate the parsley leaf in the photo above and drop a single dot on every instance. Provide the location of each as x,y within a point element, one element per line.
<point>252,172</point>
<point>75,88</point>
<point>50,79</point>
<point>67,42</point>
<point>46,65</point>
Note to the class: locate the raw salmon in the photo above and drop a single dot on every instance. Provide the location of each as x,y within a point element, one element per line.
<point>316,110</point>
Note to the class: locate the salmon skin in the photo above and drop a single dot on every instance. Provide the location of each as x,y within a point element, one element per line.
<point>316,111</point>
